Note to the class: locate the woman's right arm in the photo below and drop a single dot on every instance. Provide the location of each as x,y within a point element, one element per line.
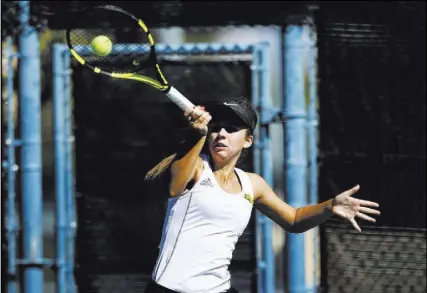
<point>188,163</point>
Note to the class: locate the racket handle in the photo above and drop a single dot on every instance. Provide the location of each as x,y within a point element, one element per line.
<point>179,99</point>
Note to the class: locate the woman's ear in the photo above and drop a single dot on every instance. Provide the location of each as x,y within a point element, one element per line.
<point>248,141</point>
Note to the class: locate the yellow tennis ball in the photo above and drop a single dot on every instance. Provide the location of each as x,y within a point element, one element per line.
<point>101,46</point>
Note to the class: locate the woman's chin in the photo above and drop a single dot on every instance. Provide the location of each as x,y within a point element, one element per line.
<point>219,155</point>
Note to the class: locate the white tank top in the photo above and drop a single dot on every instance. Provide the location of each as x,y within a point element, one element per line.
<point>200,231</point>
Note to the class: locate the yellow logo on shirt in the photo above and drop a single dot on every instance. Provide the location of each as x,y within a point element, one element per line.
<point>249,198</point>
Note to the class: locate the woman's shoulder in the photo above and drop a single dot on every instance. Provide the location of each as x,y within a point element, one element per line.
<point>258,183</point>
<point>254,177</point>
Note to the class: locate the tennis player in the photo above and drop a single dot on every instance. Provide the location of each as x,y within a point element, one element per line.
<point>211,202</point>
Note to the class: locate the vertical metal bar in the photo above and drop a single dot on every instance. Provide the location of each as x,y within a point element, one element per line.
<point>313,122</point>
<point>11,221</point>
<point>312,143</point>
<point>59,140</point>
<point>255,101</point>
<point>296,156</point>
<point>31,152</point>
<point>266,166</point>
<point>69,172</point>
<point>257,169</point>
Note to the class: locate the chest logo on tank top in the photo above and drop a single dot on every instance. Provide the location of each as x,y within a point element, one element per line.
<point>207,182</point>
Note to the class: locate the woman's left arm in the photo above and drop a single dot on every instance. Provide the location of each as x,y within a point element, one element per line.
<point>307,217</point>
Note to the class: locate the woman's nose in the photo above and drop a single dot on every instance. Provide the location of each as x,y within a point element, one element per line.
<point>222,132</point>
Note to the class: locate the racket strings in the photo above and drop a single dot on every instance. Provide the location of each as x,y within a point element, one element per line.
<point>120,29</point>
<point>130,52</point>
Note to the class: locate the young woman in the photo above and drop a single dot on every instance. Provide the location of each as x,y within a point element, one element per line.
<point>211,202</point>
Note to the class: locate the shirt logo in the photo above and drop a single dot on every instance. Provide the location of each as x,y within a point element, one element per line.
<point>206,182</point>
<point>249,198</point>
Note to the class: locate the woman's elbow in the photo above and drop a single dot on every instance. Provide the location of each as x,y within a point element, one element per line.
<point>295,228</point>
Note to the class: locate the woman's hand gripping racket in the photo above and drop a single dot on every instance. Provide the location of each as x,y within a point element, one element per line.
<point>95,49</point>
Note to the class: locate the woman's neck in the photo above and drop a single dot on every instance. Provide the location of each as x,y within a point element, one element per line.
<point>224,171</point>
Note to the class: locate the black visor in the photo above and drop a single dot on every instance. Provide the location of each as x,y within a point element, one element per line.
<point>231,111</point>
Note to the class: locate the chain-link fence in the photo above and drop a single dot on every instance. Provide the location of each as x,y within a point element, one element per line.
<point>122,130</point>
<point>372,133</point>
<point>377,260</point>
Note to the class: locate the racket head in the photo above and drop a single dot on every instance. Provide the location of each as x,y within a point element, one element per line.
<point>122,61</point>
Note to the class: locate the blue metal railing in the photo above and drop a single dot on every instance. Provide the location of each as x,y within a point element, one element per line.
<point>10,212</point>
<point>31,166</point>
<point>60,171</point>
<point>69,178</point>
<point>263,165</point>
<point>312,122</point>
<point>295,116</point>
<point>32,262</point>
<point>193,49</point>
<point>295,149</point>
<point>65,196</point>
<point>296,157</point>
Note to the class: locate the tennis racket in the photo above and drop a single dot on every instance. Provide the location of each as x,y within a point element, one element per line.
<point>121,62</point>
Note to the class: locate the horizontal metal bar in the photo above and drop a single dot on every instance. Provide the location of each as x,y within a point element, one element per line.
<point>15,142</point>
<point>184,49</point>
<point>12,56</point>
<point>37,262</point>
<point>5,164</point>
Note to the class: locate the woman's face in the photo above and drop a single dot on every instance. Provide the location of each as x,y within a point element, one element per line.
<point>227,138</point>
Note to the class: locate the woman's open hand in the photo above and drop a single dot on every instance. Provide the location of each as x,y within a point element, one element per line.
<point>348,207</point>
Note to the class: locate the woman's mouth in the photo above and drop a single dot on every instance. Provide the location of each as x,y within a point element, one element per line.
<point>219,146</point>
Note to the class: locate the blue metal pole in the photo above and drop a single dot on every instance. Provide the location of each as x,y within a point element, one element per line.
<point>296,157</point>
<point>11,223</point>
<point>313,122</point>
<point>257,169</point>
<point>266,167</point>
<point>31,153</point>
<point>59,139</point>
<point>69,172</point>
<point>312,137</point>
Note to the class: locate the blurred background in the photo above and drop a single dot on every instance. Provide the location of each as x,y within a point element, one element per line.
<point>364,101</point>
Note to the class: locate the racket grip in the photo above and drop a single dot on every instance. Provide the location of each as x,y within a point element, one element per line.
<point>179,99</point>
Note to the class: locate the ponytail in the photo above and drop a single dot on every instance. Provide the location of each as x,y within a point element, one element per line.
<point>157,170</point>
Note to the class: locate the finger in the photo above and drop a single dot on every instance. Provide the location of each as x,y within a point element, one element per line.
<point>369,211</point>
<point>365,217</point>
<point>201,120</point>
<point>205,119</point>
<point>205,116</point>
<point>208,119</point>
<point>353,221</point>
<point>189,111</point>
<point>353,190</point>
<point>368,203</point>
<point>197,113</point>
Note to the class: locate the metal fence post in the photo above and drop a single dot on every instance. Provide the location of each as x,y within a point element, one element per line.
<point>31,153</point>
<point>259,232</point>
<point>312,144</point>
<point>69,179</point>
<point>11,217</point>
<point>296,149</point>
<point>263,166</point>
<point>266,165</point>
<point>59,141</point>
